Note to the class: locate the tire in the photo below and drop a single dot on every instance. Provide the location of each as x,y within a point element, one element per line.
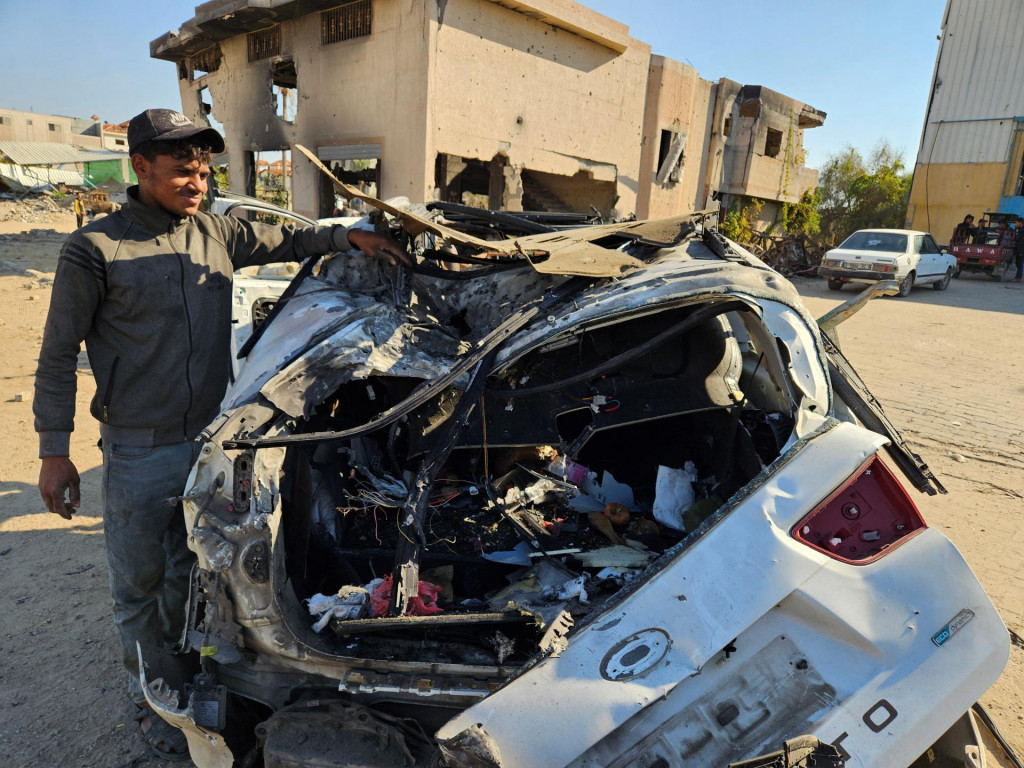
<point>943,284</point>
<point>835,285</point>
<point>906,286</point>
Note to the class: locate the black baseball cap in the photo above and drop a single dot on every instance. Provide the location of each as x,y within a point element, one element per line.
<point>168,125</point>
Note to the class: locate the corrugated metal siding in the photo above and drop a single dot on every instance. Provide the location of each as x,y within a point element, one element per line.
<point>25,178</point>
<point>979,85</point>
<point>52,153</point>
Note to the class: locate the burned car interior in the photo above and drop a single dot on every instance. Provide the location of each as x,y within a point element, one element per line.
<point>595,404</point>
<point>696,389</point>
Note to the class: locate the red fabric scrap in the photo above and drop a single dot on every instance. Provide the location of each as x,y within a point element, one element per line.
<point>423,604</point>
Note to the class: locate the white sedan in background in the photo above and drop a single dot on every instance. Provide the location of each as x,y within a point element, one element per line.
<point>869,255</point>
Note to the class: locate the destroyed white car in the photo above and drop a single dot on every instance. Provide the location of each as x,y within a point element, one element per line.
<point>604,497</point>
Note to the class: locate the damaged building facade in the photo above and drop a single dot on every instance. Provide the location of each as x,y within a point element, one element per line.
<point>540,105</point>
<point>734,142</point>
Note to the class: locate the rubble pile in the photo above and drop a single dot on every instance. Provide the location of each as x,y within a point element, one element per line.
<point>34,209</point>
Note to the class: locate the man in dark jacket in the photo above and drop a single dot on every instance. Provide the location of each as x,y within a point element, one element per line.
<point>148,289</point>
<point>963,231</point>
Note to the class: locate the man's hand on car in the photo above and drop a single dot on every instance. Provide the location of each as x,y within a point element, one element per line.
<point>60,486</point>
<point>378,246</point>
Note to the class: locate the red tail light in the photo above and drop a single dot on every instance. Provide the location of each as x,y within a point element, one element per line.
<point>865,518</point>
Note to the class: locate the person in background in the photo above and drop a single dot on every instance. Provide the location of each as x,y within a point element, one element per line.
<point>980,236</point>
<point>963,231</point>
<point>79,206</point>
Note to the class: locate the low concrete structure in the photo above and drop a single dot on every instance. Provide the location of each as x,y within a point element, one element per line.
<point>513,104</point>
<point>16,125</point>
<point>85,133</point>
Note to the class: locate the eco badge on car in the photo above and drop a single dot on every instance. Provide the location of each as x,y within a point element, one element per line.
<point>953,626</point>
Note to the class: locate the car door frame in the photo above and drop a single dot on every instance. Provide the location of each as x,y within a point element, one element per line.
<point>929,258</point>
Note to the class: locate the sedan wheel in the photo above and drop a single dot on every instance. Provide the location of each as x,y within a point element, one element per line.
<point>907,285</point>
<point>835,285</point>
<point>943,284</point>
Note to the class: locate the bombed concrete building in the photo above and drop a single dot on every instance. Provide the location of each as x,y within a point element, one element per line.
<point>724,140</point>
<point>510,104</point>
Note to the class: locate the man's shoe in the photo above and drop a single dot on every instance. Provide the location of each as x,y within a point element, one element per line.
<point>162,739</point>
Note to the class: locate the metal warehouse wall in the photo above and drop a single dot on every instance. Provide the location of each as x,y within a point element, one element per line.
<point>978,87</point>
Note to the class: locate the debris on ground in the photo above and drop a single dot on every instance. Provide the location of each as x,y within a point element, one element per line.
<point>34,210</point>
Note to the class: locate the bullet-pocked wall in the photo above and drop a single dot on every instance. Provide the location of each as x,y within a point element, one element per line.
<point>337,101</point>
<point>543,98</point>
<point>678,125</point>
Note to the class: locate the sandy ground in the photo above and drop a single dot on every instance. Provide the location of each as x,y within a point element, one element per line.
<point>949,368</point>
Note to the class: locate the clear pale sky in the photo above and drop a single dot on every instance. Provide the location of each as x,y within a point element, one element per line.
<point>868,64</point>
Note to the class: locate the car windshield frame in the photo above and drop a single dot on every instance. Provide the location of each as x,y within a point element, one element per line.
<point>885,242</point>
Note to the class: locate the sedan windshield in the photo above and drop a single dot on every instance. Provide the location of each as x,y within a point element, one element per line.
<point>876,241</point>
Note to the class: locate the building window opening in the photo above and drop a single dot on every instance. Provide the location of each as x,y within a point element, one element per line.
<point>346,22</point>
<point>284,83</point>
<point>263,44</point>
<point>363,173</point>
<point>204,62</point>
<point>670,157</point>
<point>557,193</point>
<point>206,109</point>
<point>773,143</point>
<point>464,180</point>
<point>4,120</point>
<point>51,127</point>
<point>727,127</point>
<point>664,146</point>
<point>274,181</point>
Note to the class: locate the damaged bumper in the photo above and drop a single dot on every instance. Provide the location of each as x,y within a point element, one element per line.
<point>206,747</point>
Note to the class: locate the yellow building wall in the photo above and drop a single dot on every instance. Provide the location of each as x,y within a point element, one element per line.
<point>943,194</point>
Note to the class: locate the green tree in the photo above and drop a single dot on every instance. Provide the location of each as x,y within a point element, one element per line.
<point>857,193</point>
<point>803,217</point>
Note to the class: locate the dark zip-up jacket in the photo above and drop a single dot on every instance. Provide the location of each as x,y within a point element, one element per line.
<point>150,294</point>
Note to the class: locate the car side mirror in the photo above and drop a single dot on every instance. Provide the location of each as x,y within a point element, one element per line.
<point>943,251</point>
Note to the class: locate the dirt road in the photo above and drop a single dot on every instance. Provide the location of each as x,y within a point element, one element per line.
<point>949,368</point>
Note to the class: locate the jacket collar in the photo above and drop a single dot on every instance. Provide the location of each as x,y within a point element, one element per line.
<point>154,220</point>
